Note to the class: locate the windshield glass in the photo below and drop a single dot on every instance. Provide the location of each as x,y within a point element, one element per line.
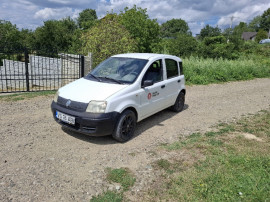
<point>118,70</point>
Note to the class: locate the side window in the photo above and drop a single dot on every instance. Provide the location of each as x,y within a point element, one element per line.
<point>172,68</point>
<point>154,72</point>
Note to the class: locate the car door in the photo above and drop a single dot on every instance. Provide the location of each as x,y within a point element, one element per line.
<point>174,80</point>
<point>152,97</point>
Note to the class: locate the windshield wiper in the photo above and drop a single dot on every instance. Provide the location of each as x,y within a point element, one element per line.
<point>95,77</point>
<point>111,79</point>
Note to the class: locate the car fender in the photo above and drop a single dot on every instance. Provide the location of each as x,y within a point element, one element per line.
<point>128,97</point>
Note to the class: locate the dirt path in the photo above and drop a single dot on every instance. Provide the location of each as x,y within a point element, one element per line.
<point>41,162</point>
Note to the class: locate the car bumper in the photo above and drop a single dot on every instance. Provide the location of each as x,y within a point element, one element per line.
<point>95,124</point>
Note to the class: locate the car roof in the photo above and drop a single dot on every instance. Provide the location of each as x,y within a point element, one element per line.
<point>146,56</point>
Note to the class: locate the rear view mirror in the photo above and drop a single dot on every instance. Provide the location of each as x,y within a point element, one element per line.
<point>147,83</point>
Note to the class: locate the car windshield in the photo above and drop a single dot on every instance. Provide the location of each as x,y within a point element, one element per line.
<point>118,70</point>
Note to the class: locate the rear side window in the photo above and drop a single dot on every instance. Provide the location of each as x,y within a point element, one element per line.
<point>171,68</point>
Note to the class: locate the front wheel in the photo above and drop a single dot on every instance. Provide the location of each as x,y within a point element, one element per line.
<point>179,103</point>
<point>125,126</point>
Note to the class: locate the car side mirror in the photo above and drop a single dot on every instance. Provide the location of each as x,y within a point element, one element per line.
<point>147,83</point>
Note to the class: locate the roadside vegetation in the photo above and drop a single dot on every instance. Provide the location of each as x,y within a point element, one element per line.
<point>209,70</point>
<point>24,96</point>
<point>229,163</point>
<point>123,177</point>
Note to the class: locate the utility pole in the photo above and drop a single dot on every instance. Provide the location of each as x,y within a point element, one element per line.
<point>230,29</point>
<point>231,21</point>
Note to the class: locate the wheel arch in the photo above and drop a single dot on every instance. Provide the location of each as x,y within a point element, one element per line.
<point>132,109</point>
<point>183,91</point>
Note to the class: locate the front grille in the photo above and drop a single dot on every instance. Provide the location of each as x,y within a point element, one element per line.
<point>76,106</point>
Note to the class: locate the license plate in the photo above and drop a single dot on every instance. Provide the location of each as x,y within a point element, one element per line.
<point>65,118</point>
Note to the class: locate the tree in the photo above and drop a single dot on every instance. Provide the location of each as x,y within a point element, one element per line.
<point>173,27</point>
<point>254,25</point>
<point>265,21</point>
<point>162,47</point>
<point>107,38</point>
<point>27,38</point>
<point>183,46</point>
<point>87,18</point>
<point>144,30</point>
<point>234,35</point>
<point>242,27</point>
<point>217,47</point>
<point>209,31</point>
<point>10,38</point>
<point>261,35</point>
<point>214,40</point>
<point>55,35</point>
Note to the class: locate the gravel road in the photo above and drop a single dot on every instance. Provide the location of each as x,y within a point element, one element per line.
<point>41,162</point>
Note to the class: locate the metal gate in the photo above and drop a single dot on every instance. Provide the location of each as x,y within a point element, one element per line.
<point>23,71</point>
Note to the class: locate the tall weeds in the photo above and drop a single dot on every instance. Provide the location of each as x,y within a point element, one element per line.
<point>205,71</point>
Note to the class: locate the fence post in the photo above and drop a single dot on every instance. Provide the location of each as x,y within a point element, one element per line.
<point>26,58</point>
<point>82,66</point>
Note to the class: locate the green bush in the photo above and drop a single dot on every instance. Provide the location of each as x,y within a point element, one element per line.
<point>214,40</point>
<point>217,47</point>
<point>249,47</point>
<point>261,35</point>
<point>182,46</point>
<point>205,71</point>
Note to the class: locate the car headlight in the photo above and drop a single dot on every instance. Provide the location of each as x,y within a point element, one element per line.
<point>56,96</point>
<point>96,106</point>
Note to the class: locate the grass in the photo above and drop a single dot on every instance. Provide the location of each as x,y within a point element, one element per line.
<point>108,196</point>
<point>233,168</point>
<point>206,71</point>
<point>26,95</point>
<point>122,176</point>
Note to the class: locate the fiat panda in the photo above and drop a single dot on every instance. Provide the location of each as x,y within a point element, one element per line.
<point>121,91</point>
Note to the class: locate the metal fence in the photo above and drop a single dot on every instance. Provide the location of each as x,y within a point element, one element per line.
<point>22,71</point>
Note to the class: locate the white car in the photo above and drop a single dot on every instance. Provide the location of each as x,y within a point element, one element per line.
<point>119,92</point>
<point>264,41</point>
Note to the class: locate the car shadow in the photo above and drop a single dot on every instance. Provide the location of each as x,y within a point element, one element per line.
<point>142,126</point>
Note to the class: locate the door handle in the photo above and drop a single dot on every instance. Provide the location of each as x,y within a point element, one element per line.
<point>179,81</point>
<point>163,86</point>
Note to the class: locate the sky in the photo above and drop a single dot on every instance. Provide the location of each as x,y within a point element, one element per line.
<point>30,14</point>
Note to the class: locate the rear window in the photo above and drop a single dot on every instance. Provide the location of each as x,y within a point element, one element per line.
<point>172,68</point>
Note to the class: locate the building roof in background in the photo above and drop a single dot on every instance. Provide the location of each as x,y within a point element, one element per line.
<point>248,35</point>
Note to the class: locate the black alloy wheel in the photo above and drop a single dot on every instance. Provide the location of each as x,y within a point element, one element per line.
<point>125,126</point>
<point>179,103</point>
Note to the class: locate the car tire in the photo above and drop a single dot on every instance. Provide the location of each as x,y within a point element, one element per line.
<point>125,126</point>
<point>179,103</point>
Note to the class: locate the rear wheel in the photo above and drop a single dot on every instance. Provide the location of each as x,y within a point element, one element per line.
<point>125,126</point>
<point>179,103</point>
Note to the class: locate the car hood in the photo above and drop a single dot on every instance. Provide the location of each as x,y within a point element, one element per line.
<point>83,90</point>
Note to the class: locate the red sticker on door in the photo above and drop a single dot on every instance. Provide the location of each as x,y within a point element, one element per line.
<point>149,96</point>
